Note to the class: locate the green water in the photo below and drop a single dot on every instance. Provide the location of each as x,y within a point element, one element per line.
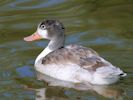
<point>104,25</point>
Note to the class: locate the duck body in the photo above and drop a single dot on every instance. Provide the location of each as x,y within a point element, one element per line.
<point>78,64</point>
<point>73,63</point>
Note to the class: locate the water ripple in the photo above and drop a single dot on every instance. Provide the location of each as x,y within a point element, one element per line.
<point>25,4</point>
<point>105,26</point>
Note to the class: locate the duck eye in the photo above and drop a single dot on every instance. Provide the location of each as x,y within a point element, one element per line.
<point>43,27</point>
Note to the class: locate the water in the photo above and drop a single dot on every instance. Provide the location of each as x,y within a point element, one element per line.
<point>105,26</point>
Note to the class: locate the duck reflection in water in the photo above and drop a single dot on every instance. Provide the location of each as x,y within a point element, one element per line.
<point>58,91</point>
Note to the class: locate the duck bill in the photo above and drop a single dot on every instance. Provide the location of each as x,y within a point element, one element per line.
<point>33,37</point>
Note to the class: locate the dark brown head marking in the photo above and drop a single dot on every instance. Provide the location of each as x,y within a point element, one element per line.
<point>51,23</point>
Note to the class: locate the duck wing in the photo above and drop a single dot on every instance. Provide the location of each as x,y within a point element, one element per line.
<point>75,54</point>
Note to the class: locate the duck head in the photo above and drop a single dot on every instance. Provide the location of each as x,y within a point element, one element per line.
<point>47,29</point>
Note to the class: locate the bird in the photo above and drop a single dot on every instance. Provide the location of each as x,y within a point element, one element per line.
<point>72,63</point>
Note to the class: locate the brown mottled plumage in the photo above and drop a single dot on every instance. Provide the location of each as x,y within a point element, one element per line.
<point>75,54</point>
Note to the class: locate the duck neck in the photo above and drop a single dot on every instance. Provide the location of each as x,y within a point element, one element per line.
<point>55,43</point>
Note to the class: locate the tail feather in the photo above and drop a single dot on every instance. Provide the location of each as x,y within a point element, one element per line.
<point>123,74</point>
<point>111,71</point>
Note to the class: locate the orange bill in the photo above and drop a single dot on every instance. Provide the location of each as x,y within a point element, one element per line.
<point>33,37</point>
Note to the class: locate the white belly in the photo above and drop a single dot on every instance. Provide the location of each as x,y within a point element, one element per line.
<point>69,72</point>
<point>76,74</point>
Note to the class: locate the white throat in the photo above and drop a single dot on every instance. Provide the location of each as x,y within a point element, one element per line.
<point>43,54</point>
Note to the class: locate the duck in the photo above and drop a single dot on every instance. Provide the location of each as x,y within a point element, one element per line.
<point>72,63</point>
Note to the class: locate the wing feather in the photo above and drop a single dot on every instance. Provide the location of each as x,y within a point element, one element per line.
<point>82,56</point>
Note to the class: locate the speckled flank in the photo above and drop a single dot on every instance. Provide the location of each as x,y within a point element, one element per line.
<point>82,56</point>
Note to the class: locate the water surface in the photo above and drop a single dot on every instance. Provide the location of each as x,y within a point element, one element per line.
<point>105,26</point>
